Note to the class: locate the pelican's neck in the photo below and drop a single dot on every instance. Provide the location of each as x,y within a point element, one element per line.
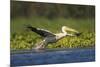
<point>61,35</point>
<point>63,31</point>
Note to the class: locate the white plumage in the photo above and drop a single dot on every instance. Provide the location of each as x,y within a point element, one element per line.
<point>49,37</point>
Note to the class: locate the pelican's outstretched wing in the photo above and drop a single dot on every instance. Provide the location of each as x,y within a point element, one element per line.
<point>41,32</point>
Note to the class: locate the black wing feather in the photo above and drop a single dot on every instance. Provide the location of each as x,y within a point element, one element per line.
<point>41,32</point>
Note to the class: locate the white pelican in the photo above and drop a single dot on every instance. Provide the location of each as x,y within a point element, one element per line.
<point>49,37</point>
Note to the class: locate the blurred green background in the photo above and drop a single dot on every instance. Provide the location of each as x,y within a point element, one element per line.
<point>51,16</point>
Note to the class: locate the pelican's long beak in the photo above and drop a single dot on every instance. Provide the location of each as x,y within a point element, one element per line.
<point>72,30</point>
<point>67,29</point>
<point>76,33</point>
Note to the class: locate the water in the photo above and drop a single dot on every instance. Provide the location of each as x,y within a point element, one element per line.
<point>51,56</point>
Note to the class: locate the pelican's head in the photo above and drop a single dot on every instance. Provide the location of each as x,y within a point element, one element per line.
<point>66,29</point>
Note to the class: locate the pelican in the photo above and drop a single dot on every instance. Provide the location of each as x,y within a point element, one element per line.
<point>50,37</point>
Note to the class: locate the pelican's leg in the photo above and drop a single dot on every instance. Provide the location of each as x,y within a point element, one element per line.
<point>40,45</point>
